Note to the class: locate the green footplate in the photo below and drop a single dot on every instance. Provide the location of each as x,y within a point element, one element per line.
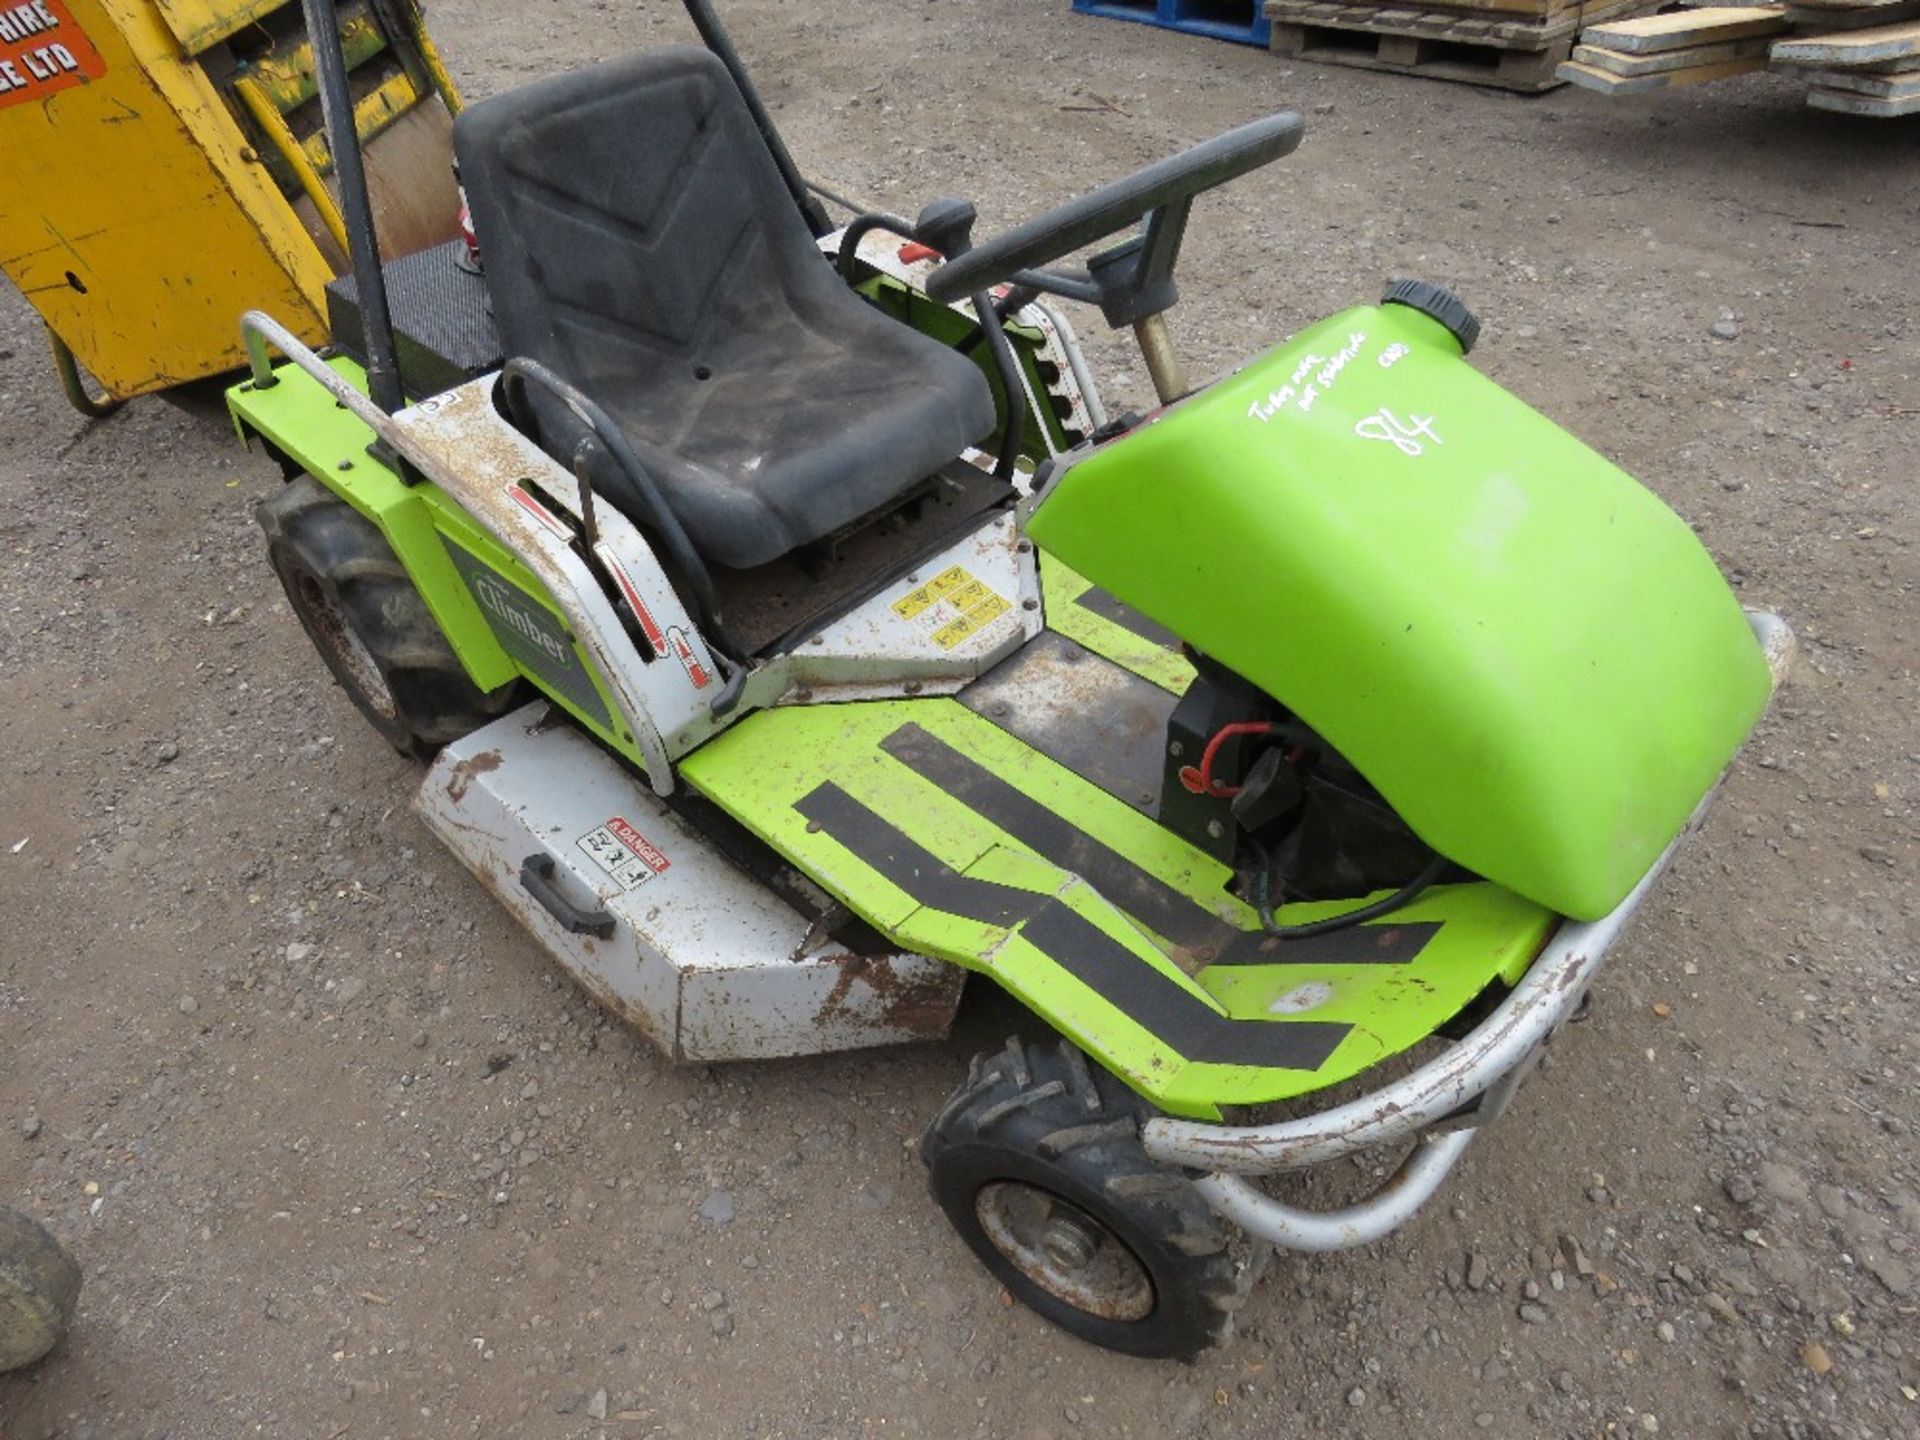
<point>956,839</point>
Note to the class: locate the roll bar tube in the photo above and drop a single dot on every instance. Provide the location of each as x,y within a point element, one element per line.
<point>715,37</point>
<point>356,209</point>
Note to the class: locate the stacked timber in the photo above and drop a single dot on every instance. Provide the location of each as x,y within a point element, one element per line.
<point>1861,57</point>
<point>1686,47</point>
<point>1874,70</point>
<point>1511,44</point>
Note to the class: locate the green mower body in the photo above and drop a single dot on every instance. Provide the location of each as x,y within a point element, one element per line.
<point>1338,707</point>
<point>1534,659</point>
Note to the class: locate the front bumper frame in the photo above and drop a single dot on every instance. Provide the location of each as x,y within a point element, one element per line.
<point>1443,1104</point>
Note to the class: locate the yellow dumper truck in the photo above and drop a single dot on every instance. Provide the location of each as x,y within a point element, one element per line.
<point>167,169</point>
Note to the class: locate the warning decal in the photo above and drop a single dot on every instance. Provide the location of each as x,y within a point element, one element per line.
<point>952,606</point>
<point>43,50</point>
<point>624,853</point>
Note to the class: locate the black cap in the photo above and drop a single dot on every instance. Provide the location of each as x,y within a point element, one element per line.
<point>1437,301</point>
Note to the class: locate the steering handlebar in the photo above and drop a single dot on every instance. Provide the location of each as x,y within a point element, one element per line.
<point>1163,185</point>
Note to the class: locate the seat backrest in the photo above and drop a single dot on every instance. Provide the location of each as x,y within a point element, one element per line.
<point>614,205</point>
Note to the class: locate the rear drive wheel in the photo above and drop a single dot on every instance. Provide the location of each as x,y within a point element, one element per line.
<point>369,623</point>
<point>39,1286</point>
<point>1037,1162</point>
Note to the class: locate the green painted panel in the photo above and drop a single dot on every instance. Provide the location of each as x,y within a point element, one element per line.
<point>1063,589</point>
<point>300,419</point>
<point>973,875</point>
<point>1531,657</point>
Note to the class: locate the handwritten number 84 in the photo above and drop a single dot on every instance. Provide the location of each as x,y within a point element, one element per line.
<point>1405,435</point>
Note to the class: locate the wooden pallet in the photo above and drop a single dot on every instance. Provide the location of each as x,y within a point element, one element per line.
<point>1818,20</point>
<point>1615,62</point>
<point>1881,87</point>
<point>1685,29</point>
<point>1508,54</point>
<point>1536,12</point>
<point>1810,70</point>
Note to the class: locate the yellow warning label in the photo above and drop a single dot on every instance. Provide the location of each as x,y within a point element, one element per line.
<point>932,593</point>
<point>976,619</point>
<point>953,605</point>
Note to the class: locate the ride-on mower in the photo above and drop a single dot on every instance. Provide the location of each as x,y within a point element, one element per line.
<point>790,633</point>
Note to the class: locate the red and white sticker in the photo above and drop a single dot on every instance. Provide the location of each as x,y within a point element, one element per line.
<point>683,647</point>
<point>624,853</point>
<point>648,625</point>
<point>43,50</point>
<point>548,520</point>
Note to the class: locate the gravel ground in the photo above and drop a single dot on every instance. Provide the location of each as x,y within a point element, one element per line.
<point>343,1156</point>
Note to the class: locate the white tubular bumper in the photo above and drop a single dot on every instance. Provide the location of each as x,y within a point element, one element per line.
<point>1461,1089</point>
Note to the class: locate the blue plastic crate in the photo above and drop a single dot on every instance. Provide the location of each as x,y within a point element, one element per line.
<point>1241,20</point>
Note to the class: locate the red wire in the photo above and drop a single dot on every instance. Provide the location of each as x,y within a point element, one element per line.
<point>1200,781</point>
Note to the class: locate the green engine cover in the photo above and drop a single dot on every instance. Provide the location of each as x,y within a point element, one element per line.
<point>1530,656</point>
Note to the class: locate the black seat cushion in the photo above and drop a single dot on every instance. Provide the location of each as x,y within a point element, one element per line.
<point>638,240</point>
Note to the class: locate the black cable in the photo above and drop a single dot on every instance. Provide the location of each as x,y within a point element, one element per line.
<point>1405,895</point>
<point>845,258</point>
<point>521,371</point>
<point>1013,431</point>
<point>1004,307</point>
<point>990,326</point>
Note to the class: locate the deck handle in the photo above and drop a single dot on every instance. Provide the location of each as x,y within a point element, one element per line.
<point>537,879</point>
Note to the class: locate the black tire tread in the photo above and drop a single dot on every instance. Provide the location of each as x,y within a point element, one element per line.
<point>310,529</point>
<point>1045,1106</point>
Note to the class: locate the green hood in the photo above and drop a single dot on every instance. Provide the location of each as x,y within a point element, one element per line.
<point>1531,657</point>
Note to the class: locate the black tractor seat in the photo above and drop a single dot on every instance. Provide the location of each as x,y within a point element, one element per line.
<point>639,242</point>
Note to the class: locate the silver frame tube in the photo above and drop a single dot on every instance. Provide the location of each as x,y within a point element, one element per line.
<point>259,330</point>
<point>1319,1231</point>
<point>1469,1083</point>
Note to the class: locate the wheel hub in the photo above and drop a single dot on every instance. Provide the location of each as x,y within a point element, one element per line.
<point>1068,1243</point>
<point>1064,1250</point>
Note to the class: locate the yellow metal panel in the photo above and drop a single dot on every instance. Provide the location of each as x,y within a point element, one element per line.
<point>198,24</point>
<point>286,77</point>
<point>140,223</point>
<point>374,112</point>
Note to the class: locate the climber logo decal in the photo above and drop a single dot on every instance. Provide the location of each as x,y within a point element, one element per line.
<point>532,635</point>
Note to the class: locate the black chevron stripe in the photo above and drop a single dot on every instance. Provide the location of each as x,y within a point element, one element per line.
<point>1134,889</point>
<point>1151,999</point>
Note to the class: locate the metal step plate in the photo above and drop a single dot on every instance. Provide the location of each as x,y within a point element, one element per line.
<point>705,960</point>
<point>954,837</point>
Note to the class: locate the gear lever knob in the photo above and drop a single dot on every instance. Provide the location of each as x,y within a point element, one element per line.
<point>946,225</point>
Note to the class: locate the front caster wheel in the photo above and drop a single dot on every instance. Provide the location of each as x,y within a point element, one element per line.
<point>1037,1162</point>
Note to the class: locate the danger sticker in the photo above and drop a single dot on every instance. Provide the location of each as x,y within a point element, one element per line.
<point>952,606</point>
<point>624,853</point>
<point>43,50</point>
